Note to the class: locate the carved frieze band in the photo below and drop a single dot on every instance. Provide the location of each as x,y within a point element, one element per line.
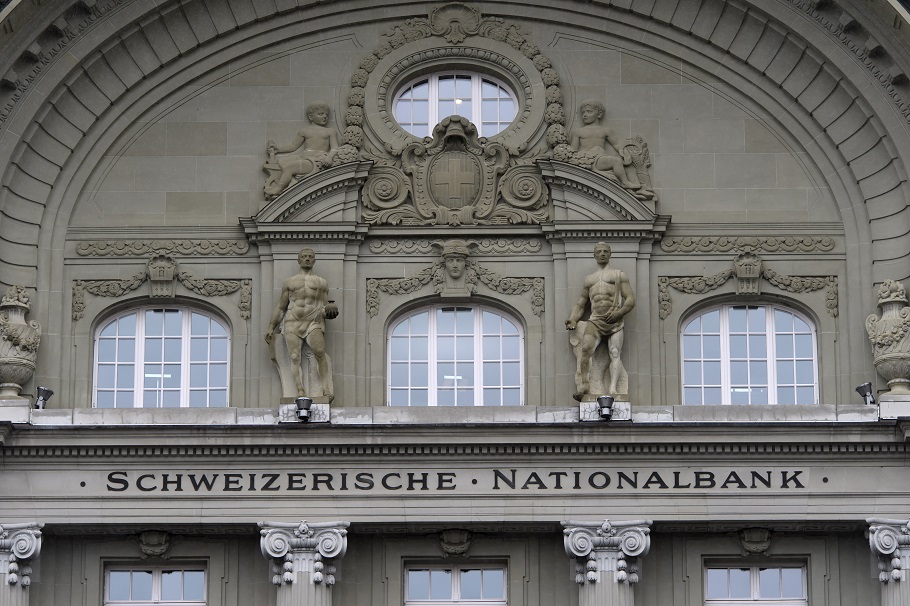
<point>890,541</point>
<point>162,273</point>
<point>474,272</point>
<point>281,541</point>
<point>19,543</point>
<point>714,244</point>
<point>607,547</point>
<point>749,270</point>
<point>141,248</point>
<point>486,246</point>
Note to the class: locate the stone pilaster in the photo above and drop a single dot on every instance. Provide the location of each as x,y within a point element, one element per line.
<point>890,541</point>
<point>302,556</point>
<point>607,559</point>
<point>19,543</point>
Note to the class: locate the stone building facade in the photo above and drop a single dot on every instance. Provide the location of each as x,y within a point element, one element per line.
<point>306,303</point>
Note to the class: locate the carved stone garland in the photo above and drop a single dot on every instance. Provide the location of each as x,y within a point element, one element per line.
<point>301,556</point>
<point>19,543</point>
<point>139,248</point>
<point>486,246</point>
<point>749,269</point>
<point>714,244</point>
<point>473,272</point>
<point>606,557</point>
<point>162,274</point>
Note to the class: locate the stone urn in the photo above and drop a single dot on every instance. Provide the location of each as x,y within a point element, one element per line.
<point>890,336</point>
<point>18,342</point>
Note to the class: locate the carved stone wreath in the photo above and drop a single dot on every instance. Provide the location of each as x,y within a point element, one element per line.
<point>746,282</point>
<point>161,272</point>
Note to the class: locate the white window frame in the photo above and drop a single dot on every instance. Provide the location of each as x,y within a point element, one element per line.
<point>456,585</point>
<point>157,576</point>
<point>476,101</point>
<point>770,334</point>
<point>477,358</point>
<point>139,359</point>
<point>754,586</point>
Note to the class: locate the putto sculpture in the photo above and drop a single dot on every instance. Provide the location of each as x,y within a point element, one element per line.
<point>596,147</point>
<point>890,337</point>
<point>313,149</point>
<point>300,316</point>
<point>610,297</point>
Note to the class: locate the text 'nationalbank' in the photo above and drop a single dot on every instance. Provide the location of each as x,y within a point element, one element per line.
<point>493,480</point>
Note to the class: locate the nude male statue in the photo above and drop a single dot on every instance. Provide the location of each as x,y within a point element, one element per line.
<point>611,298</point>
<point>319,143</point>
<point>302,309</point>
<point>597,144</point>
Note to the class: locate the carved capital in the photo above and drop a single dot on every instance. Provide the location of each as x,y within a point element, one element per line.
<point>303,548</point>
<point>606,547</point>
<point>890,540</point>
<point>19,543</point>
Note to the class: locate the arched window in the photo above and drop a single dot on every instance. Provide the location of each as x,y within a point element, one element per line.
<point>421,104</point>
<point>456,356</point>
<point>161,358</point>
<point>749,354</point>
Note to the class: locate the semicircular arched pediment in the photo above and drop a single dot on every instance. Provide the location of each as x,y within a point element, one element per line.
<point>329,195</point>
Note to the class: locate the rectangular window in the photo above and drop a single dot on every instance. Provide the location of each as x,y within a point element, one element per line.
<point>466,585</point>
<point>164,586</point>
<point>769,586</point>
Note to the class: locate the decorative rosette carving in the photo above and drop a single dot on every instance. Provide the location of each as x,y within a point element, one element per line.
<point>523,188</point>
<point>385,188</point>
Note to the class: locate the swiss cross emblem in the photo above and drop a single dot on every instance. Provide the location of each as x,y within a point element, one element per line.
<point>455,179</point>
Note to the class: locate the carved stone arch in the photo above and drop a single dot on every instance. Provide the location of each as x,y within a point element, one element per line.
<point>853,115</point>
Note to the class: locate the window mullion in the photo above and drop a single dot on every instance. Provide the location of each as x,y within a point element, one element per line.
<point>724,355</point>
<point>478,356</point>
<point>185,358</point>
<point>433,96</point>
<point>476,92</point>
<point>139,356</point>
<point>432,361</point>
<point>771,346</point>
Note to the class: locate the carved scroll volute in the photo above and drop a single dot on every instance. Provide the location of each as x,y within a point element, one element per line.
<point>607,547</point>
<point>303,548</point>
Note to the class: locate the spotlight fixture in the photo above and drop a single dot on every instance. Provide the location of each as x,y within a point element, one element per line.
<point>865,390</point>
<point>44,394</point>
<point>303,408</point>
<point>605,404</point>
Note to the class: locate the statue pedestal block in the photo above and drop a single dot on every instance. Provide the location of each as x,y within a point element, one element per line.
<point>588,410</point>
<point>319,412</point>
<point>15,409</point>
<point>892,406</point>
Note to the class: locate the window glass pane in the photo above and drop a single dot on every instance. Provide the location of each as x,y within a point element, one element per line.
<point>739,583</point>
<point>119,585</point>
<point>756,319</point>
<point>199,324</point>
<point>445,397</point>
<point>142,585</point>
<point>758,373</point>
<point>127,325</point>
<point>712,373</point>
<point>194,585</point>
<point>418,584</point>
<point>739,395</point>
<point>491,348</point>
<point>511,397</point>
<point>171,376</point>
<point>803,346</point>
<point>739,373</point>
<point>218,375</point>
<point>692,395</point>
<point>464,348</point>
<point>737,319</point>
<point>805,395</point>
<point>466,372</point>
<point>399,375</point>
<point>126,350</point>
<point>492,397</point>
<point>493,584</point>
<point>463,87</point>
<point>172,350</point>
<point>399,348</point>
<point>419,323</point>
<point>154,350</point>
<point>123,399</point>
<point>691,347</point>
<point>759,395</point>
<point>692,373</point>
<point>470,584</point>
<point>170,399</point>
<point>105,399</point>
<point>107,350</point>
<point>758,346</point>
<point>154,322</point>
<point>791,583</point>
<point>711,347</point>
<point>172,322</point>
<point>769,583</point>
<point>172,585</point>
<point>783,321</point>
<point>511,373</point>
<point>805,372</point>
<point>440,584</point>
<point>738,346</point>
<point>125,376</point>
<point>716,583</point>
<point>511,347</point>
<point>109,331</point>
<point>420,397</point>
<point>445,321</point>
<point>199,349</point>
<point>447,87</point>
<point>419,350</point>
<point>713,396</point>
<point>106,374</point>
<point>784,344</point>
<point>711,322</point>
<point>420,375</point>
<point>445,348</point>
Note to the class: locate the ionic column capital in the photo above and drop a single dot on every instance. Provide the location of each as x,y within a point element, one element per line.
<point>889,539</point>
<point>607,546</point>
<point>19,543</point>
<point>303,548</point>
